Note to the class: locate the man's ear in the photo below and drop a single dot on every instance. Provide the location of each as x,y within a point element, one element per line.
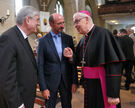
<point>51,24</point>
<point>27,19</point>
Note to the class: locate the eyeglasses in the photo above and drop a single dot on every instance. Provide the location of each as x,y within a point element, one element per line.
<point>78,20</point>
<point>60,23</point>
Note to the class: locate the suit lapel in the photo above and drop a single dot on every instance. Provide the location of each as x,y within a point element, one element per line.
<point>63,43</point>
<point>28,50</point>
<point>52,45</point>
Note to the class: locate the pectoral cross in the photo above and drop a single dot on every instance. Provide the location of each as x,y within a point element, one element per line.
<point>83,62</point>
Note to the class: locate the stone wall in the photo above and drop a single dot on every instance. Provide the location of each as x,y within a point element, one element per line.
<point>4,5</point>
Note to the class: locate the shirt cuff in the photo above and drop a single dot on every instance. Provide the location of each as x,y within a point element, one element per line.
<point>21,106</point>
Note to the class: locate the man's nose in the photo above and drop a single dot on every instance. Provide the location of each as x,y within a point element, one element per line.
<point>62,25</point>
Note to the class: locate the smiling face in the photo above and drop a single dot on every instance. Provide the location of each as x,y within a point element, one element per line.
<point>33,24</point>
<point>58,24</point>
<point>80,24</point>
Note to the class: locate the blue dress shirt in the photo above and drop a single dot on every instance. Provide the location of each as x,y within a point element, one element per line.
<point>58,43</point>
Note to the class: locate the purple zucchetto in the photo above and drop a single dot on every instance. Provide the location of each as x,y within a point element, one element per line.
<point>85,12</point>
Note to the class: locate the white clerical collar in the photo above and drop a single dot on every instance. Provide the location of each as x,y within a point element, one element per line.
<point>24,35</point>
<point>90,28</point>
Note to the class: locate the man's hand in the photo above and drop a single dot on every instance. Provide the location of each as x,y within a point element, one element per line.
<point>46,94</point>
<point>74,88</point>
<point>68,52</point>
<point>113,101</point>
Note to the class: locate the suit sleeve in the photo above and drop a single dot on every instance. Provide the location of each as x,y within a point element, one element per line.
<point>40,63</point>
<point>113,79</point>
<point>8,73</point>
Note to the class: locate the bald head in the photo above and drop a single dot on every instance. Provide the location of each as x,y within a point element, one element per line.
<point>56,22</point>
<point>54,17</point>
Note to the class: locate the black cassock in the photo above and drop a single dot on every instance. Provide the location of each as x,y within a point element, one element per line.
<point>101,49</point>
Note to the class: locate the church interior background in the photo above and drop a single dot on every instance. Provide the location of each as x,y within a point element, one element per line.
<point>110,14</point>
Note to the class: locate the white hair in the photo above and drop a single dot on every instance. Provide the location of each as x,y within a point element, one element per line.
<point>26,11</point>
<point>82,15</point>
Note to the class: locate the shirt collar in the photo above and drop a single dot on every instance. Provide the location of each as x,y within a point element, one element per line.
<point>53,34</point>
<point>24,35</point>
<point>90,28</point>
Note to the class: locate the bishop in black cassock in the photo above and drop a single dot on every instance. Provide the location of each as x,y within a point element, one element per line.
<point>102,58</point>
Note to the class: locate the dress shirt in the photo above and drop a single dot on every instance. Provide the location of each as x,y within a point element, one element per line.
<point>24,35</point>
<point>21,106</point>
<point>58,43</point>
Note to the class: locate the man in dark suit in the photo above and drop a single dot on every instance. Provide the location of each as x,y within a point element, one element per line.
<point>56,72</point>
<point>18,70</point>
<point>126,44</point>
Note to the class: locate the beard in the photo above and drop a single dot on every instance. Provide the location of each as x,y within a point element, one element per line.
<point>61,29</point>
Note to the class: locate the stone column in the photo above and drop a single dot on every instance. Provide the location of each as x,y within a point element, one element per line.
<point>69,10</point>
<point>34,3</point>
<point>81,5</point>
<point>26,2</point>
<point>52,5</point>
<point>94,8</point>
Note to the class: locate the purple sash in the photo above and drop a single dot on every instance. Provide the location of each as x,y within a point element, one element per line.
<point>98,72</point>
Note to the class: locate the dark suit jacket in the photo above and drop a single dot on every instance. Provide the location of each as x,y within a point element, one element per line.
<point>18,71</point>
<point>126,44</point>
<point>50,68</point>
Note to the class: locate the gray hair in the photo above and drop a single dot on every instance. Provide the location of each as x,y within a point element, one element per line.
<point>24,12</point>
<point>82,15</point>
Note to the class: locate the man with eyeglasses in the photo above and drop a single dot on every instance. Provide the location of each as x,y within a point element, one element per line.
<point>101,59</point>
<point>56,72</point>
<point>18,69</point>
